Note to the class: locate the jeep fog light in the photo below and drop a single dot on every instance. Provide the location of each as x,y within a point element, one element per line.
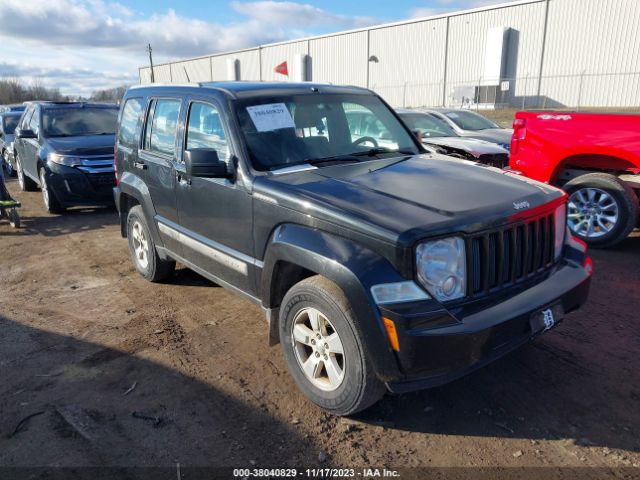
<point>398,292</point>
<point>560,227</point>
<point>442,268</point>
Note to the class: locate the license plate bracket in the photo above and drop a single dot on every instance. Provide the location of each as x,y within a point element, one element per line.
<point>546,318</point>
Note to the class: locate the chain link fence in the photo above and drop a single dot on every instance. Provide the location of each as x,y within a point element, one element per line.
<point>617,91</point>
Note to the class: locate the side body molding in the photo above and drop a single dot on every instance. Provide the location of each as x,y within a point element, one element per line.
<point>352,267</point>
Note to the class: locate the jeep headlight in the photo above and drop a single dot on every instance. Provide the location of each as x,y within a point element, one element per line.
<point>442,267</point>
<point>68,160</point>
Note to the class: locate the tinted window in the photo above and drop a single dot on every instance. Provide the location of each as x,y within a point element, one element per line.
<point>470,121</point>
<point>127,135</point>
<point>205,130</point>
<point>24,120</point>
<point>285,130</point>
<point>33,121</point>
<point>10,124</point>
<point>67,122</point>
<point>162,136</point>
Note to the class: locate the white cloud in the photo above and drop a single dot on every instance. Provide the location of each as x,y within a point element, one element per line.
<point>451,6</point>
<point>74,44</point>
<point>287,14</point>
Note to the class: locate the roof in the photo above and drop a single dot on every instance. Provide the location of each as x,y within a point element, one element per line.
<point>76,105</point>
<point>245,89</point>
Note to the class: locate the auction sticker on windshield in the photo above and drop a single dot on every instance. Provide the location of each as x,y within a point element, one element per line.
<point>270,117</point>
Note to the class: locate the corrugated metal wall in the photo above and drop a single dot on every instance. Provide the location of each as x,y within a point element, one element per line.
<point>340,59</point>
<point>592,37</point>
<point>591,56</point>
<point>416,53</point>
<point>273,56</point>
<point>467,36</point>
<point>197,70</point>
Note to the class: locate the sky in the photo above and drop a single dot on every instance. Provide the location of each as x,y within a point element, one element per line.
<point>80,46</point>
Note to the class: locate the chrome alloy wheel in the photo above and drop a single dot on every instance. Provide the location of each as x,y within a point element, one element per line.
<point>140,245</point>
<point>592,212</point>
<point>318,349</point>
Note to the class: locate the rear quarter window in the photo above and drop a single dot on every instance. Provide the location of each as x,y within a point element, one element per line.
<point>129,123</point>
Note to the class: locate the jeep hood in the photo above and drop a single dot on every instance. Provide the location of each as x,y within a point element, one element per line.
<point>401,199</point>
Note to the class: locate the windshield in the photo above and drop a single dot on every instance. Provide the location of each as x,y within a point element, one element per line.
<point>428,125</point>
<point>286,130</point>
<point>470,121</point>
<point>10,124</point>
<point>66,122</point>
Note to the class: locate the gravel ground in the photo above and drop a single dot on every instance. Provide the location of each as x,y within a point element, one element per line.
<point>122,372</point>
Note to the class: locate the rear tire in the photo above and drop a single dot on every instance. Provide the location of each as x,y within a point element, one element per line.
<point>143,249</point>
<point>602,209</point>
<point>341,383</point>
<point>26,184</point>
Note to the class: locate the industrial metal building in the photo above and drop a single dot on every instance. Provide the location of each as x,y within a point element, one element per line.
<point>531,53</point>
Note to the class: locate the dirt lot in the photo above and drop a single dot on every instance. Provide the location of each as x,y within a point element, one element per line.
<point>79,328</point>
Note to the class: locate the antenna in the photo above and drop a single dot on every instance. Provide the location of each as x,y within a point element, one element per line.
<point>153,77</point>
<point>185,72</point>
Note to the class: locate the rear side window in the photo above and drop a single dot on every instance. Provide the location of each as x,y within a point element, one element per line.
<point>164,127</point>
<point>205,130</point>
<point>33,121</point>
<point>127,135</point>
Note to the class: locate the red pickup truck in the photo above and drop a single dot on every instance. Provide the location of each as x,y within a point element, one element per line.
<point>594,157</point>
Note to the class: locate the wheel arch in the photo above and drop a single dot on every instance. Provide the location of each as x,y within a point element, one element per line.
<point>133,191</point>
<point>593,162</point>
<point>296,252</point>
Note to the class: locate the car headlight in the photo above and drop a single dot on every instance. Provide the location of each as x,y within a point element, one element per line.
<point>442,267</point>
<point>506,146</point>
<point>68,160</point>
<point>560,227</point>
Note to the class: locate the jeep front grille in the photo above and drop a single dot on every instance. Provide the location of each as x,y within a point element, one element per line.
<point>503,257</point>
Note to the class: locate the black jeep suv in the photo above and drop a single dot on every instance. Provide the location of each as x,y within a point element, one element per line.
<point>379,267</point>
<point>67,150</point>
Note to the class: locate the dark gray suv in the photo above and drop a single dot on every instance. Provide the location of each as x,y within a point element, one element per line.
<point>378,266</point>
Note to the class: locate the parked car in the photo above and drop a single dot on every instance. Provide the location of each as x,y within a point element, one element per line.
<point>378,268</point>
<point>66,149</point>
<point>468,123</point>
<point>438,134</point>
<point>16,107</point>
<point>8,123</point>
<point>595,158</point>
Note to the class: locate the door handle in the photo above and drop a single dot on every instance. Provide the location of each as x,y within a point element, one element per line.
<point>140,165</point>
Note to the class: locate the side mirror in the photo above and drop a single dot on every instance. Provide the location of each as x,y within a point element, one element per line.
<point>205,163</point>
<point>25,133</point>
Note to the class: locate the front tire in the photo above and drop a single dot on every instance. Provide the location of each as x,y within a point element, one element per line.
<point>602,209</point>
<point>143,249</point>
<point>323,349</point>
<point>49,199</point>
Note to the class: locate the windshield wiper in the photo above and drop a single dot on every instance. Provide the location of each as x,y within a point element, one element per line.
<point>378,150</point>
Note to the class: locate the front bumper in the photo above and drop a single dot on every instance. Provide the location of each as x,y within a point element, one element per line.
<point>73,187</point>
<point>438,345</point>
